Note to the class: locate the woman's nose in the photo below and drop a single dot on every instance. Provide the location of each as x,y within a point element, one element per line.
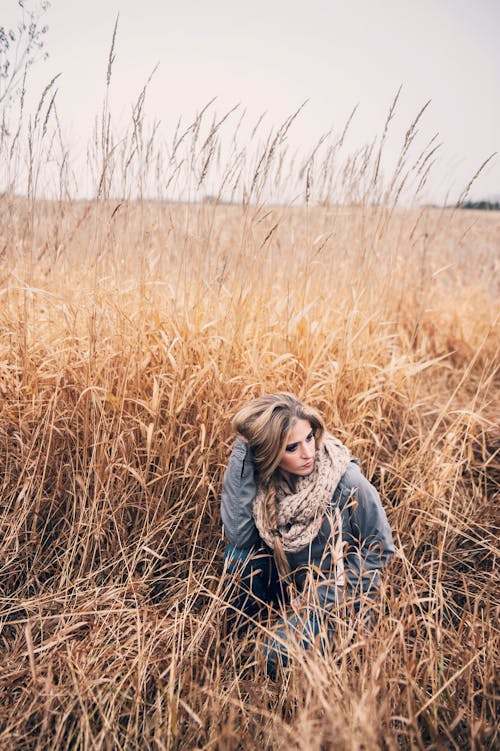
<point>307,450</point>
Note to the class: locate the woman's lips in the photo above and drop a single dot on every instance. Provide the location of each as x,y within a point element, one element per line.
<point>308,464</point>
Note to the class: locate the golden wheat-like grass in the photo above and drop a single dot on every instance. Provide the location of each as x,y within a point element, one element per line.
<point>123,356</point>
<point>130,332</point>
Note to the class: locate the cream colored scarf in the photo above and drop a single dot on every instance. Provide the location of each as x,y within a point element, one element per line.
<point>299,514</point>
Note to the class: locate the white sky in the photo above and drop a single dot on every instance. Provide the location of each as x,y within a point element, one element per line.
<point>271,56</point>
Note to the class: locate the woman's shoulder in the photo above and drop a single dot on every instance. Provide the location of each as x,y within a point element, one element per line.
<point>354,481</point>
<point>352,477</point>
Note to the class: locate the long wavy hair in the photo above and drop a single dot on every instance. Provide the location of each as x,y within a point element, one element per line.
<point>266,423</point>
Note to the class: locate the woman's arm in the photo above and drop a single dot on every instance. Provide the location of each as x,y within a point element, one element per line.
<point>370,544</point>
<point>238,491</point>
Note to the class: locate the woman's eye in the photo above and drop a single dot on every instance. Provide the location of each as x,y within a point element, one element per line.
<point>310,437</point>
<point>292,447</point>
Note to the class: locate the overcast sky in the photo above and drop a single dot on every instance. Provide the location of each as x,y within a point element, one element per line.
<point>272,55</point>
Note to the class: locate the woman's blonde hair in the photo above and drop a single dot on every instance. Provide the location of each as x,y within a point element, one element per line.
<point>266,423</point>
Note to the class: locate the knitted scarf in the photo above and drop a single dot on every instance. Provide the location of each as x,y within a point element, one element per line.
<point>299,514</point>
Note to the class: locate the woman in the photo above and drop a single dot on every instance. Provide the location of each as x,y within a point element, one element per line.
<point>302,522</point>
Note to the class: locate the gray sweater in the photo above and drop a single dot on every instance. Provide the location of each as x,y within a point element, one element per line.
<point>366,535</point>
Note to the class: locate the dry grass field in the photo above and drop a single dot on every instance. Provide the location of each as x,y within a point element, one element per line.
<point>128,338</point>
<point>130,333</point>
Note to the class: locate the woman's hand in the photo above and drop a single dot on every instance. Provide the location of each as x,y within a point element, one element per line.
<point>238,435</point>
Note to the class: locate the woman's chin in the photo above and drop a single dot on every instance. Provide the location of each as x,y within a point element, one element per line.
<point>305,471</point>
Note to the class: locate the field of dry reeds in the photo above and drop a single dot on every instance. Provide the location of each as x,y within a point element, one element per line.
<point>130,332</point>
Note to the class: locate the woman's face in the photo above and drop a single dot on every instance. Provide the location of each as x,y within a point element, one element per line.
<point>298,458</point>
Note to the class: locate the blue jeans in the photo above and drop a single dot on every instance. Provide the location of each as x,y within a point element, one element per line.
<point>255,584</point>
<point>254,580</point>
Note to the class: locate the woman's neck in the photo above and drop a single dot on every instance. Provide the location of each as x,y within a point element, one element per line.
<point>288,478</point>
